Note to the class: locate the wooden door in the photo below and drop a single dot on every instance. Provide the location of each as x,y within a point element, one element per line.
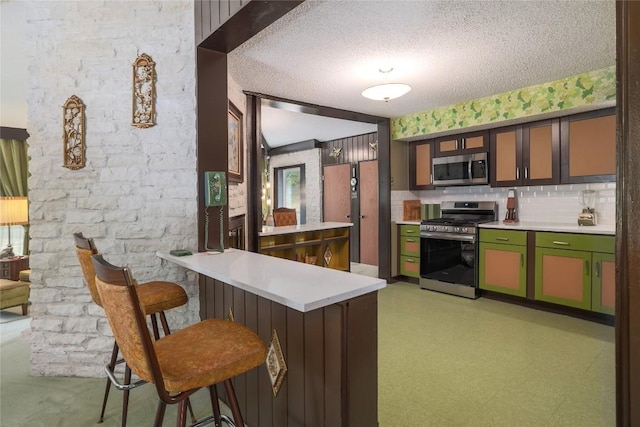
<point>541,152</point>
<point>506,156</point>
<point>369,212</point>
<point>420,160</point>
<point>336,192</point>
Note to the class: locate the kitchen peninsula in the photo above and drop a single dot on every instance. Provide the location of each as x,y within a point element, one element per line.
<point>323,243</point>
<point>326,324</point>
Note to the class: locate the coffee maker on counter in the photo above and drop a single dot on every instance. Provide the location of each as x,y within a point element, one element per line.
<point>587,199</point>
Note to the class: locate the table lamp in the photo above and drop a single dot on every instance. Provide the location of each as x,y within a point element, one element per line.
<point>13,211</point>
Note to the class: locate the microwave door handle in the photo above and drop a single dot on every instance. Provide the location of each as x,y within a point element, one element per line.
<point>470,170</point>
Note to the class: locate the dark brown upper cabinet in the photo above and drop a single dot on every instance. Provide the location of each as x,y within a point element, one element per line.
<point>420,165</point>
<point>589,147</point>
<point>526,154</point>
<point>453,145</point>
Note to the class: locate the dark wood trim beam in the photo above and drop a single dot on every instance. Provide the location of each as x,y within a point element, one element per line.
<point>212,122</point>
<point>318,110</point>
<point>13,133</point>
<point>309,144</point>
<point>248,21</point>
<point>253,176</point>
<point>384,199</point>
<point>627,218</point>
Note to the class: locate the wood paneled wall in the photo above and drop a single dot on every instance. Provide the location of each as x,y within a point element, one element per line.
<point>330,353</point>
<point>354,149</point>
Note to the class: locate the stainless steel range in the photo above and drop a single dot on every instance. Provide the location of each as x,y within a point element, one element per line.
<point>449,246</point>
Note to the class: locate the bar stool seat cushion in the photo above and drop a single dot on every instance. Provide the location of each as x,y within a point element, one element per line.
<point>222,350</point>
<point>160,296</point>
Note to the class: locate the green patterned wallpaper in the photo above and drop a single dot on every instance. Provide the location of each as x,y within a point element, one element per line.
<point>576,91</point>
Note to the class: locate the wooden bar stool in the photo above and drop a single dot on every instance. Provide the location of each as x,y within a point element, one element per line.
<point>155,296</point>
<point>200,355</point>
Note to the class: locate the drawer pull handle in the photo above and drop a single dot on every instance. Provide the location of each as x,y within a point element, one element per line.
<point>597,269</point>
<point>411,261</point>
<point>504,239</point>
<point>557,242</point>
<point>409,231</point>
<point>410,240</point>
<point>586,267</point>
<point>522,260</point>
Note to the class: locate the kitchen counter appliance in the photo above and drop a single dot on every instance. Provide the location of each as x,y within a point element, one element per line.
<point>449,247</point>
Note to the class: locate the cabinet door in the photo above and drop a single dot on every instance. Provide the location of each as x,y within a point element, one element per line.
<point>421,155</point>
<point>410,266</point>
<point>506,156</point>
<point>474,142</point>
<point>563,277</point>
<point>588,144</point>
<point>503,268</point>
<point>410,246</point>
<point>603,285</point>
<point>541,153</point>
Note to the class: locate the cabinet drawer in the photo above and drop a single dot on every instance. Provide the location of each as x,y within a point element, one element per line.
<point>410,246</point>
<point>410,266</point>
<point>410,230</point>
<point>582,242</point>
<point>509,237</point>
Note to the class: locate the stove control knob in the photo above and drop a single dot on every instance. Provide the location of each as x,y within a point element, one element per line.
<point>465,230</point>
<point>457,229</point>
<point>446,228</point>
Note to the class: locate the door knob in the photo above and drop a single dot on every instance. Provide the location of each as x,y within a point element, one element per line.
<point>347,216</point>
<point>361,216</point>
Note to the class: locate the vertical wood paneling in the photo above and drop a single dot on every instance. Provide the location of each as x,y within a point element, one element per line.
<point>334,408</point>
<point>234,6</point>
<point>314,368</point>
<point>224,13</point>
<point>265,392</point>
<point>218,300</point>
<point>197,20</point>
<point>295,361</point>
<point>240,384</point>
<point>250,412</point>
<point>362,361</point>
<point>205,17</point>
<point>279,323</point>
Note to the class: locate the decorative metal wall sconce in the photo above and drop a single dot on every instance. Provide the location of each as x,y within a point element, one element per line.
<point>374,146</point>
<point>276,366</point>
<point>73,129</point>
<point>144,92</point>
<point>335,152</point>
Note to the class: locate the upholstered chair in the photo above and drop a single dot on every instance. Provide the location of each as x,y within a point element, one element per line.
<point>284,216</point>
<point>156,297</point>
<point>200,355</point>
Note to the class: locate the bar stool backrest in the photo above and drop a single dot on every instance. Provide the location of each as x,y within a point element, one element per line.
<point>121,304</point>
<point>85,248</point>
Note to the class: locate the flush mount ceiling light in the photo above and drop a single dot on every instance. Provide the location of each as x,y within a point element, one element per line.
<point>386,91</point>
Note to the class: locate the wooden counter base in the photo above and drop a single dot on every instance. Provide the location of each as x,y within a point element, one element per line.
<point>331,355</point>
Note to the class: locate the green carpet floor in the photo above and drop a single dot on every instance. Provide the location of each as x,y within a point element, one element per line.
<point>443,361</point>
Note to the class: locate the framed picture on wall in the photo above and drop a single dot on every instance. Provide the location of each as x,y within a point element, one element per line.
<point>235,168</point>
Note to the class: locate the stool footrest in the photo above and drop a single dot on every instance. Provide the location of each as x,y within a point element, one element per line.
<point>117,383</point>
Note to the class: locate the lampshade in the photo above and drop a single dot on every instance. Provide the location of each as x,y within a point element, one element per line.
<point>387,91</point>
<point>14,211</point>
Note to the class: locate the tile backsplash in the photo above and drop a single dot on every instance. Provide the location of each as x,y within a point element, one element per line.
<point>547,203</point>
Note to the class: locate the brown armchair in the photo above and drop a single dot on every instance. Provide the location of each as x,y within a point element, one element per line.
<point>284,216</point>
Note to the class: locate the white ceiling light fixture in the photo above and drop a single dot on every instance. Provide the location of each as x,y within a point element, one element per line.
<point>386,91</point>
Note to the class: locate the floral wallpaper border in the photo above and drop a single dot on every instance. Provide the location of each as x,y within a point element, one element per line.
<point>571,92</point>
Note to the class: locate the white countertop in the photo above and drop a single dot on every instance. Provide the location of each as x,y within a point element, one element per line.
<point>297,285</point>
<point>288,229</point>
<point>546,226</point>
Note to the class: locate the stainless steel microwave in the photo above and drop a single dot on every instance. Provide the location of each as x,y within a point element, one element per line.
<point>466,169</point>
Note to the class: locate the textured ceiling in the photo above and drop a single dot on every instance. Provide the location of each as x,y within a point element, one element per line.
<point>326,53</point>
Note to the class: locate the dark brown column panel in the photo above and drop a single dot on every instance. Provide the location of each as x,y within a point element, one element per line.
<point>265,403</point>
<point>627,218</point>
<point>280,402</point>
<point>334,379</point>
<point>314,369</point>
<point>295,364</point>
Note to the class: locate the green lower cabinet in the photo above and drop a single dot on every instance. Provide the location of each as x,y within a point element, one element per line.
<point>503,268</point>
<point>410,266</point>
<point>563,277</point>
<point>603,284</point>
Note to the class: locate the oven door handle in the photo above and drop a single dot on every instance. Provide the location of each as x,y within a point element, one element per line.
<point>449,236</point>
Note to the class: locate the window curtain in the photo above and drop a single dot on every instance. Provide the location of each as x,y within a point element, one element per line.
<point>14,169</point>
